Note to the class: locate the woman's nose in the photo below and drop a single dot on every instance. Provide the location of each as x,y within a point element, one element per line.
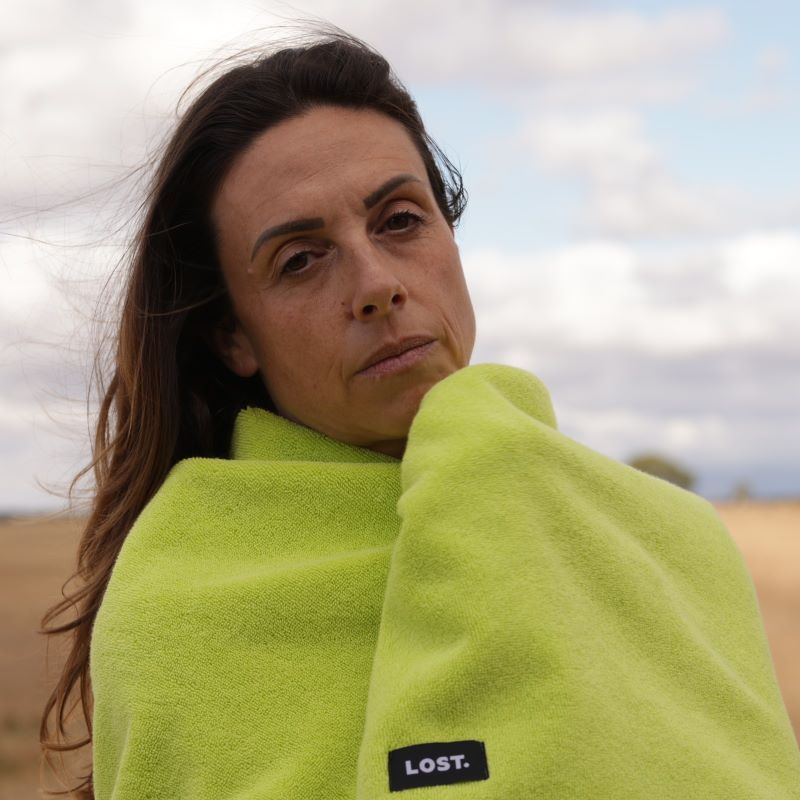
<point>378,291</point>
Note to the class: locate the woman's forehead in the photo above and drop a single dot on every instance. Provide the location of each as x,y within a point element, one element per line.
<point>325,149</point>
<point>327,159</point>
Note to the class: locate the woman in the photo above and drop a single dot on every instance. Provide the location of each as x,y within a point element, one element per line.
<point>329,559</point>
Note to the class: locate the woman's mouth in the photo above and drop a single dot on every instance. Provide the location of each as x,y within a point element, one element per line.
<point>399,363</point>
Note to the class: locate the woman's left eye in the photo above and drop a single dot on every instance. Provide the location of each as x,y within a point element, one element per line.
<point>296,263</point>
<point>402,220</point>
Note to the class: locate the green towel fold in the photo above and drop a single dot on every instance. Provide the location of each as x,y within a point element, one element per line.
<point>504,614</point>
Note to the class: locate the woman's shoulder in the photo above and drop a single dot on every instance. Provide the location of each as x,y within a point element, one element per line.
<point>189,496</point>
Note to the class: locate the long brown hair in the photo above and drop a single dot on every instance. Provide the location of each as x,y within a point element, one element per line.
<point>168,396</point>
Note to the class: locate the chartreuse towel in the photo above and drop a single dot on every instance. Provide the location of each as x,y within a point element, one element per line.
<point>503,614</point>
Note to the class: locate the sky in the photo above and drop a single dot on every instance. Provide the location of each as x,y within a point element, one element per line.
<point>632,235</point>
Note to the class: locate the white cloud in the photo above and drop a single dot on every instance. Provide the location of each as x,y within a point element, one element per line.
<point>623,431</point>
<point>599,296</point>
<point>660,205</point>
<point>514,42</point>
<point>630,190</point>
<point>606,147</point>
<point>48,330</point>
<point>768,261</point>
<point>26,283</point>
<point>693,354</point>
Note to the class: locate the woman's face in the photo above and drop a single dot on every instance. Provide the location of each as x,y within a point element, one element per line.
<point>333,248</point>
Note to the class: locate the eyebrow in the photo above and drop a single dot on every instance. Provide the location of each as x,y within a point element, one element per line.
<point>315,223</point>
<point>295,226</point>
<point>386,188</point>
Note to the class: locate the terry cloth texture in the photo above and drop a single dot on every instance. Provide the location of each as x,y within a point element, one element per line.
<point>283,624</point>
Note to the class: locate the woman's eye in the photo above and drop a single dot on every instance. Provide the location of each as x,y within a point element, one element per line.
<point>297,262</point>
<point>402,220</point>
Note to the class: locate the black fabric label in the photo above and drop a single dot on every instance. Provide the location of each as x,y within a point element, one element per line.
<point>437,764</point>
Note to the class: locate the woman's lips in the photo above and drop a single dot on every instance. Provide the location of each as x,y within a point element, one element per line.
<point>399,363</point>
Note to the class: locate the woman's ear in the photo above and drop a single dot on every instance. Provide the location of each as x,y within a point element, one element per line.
<point>233,346</point>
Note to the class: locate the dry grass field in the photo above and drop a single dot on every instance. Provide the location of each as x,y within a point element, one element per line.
<point>38,555</point>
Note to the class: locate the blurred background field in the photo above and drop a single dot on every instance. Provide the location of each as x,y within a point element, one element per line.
<point>38,556</point>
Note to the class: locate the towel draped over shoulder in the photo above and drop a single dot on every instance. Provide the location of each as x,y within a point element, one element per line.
<point>504,614</point>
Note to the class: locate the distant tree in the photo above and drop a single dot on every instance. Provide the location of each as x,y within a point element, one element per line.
<point>742,492</point>
<point>660,467</point>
